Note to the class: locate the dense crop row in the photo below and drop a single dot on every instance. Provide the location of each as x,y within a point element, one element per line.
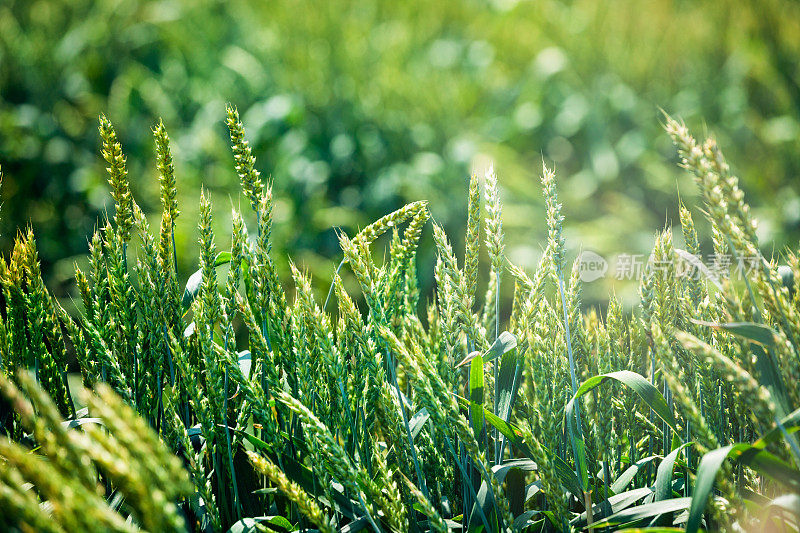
<point>403,415</point>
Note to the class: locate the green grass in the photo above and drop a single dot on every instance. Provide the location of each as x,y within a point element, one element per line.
<point>241,404</point>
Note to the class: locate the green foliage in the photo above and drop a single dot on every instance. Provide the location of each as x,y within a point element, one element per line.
<point>361,109</point>
<point>241,404</point>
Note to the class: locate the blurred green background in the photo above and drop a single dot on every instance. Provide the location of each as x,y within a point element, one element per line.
<point>355,108</point>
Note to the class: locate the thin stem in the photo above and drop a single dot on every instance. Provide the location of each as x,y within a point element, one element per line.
<point>420,477</point>
<point>498,450</point>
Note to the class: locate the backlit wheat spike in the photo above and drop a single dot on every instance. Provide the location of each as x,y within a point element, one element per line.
<point>393,219</point>
<point>760,405</point>
<point>68,502</point>
<point>75,503</point>
<point>391,501</point>
<point>45,348</point>
<point>731,190</point>
<point>208,251</point>
<point>434,519</point>
<point>456,286</point>
<point>494,222</point>
<point>696,289</point>
<point>166,172</point>
<point>169,202</point>
<point>263,242</point>
<point>673,375</point>
<point>166,254</point>
<point>718,191</point>
<point>356,253</point>
<point>554,219</point>
<point>662,263</point>
<point>39,416</point>
<point>495,246</point>
<point>249,177</point>
<point>448,410</point>
<point>238,243</point>
<point>293,491</point>
<point>19,506</point>
<point>133,432</point>
<point>532,291</point>
<point>472,248</point>
<point>580,346</point>
<point>193,459</point>
<point>121,334</point>
<point>126,455</point>
<point>118,178</point>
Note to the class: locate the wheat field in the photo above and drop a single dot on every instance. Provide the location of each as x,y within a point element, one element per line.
<point>230,402</point>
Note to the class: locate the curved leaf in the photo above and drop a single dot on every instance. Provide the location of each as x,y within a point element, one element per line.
<point>789,503</point>
<point>791,424</point>
<point>646,391</point>
<point>663,487</point>
<point>706,475</point>
<point>525,520</point>
<point>506,392</point>
<point>770,465</point>
<point>69,424</point>
<point>752,455</point>
<point>578,447</point>
<point>749,330</point>
<point>664,473</point>
<point>196,279</point>
<point>417,422</point>
<point>627,476</point>
<point>505,342</point>
<point>647,510</point>
<point>618,502</point>
<point>505,385</point>
<point>643,388</point>
<point>249,525</point>
<point>245,362</point>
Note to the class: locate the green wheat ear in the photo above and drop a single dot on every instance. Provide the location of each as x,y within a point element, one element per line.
<point>386,222</point>
<point>555,220</point>
<point>166,171</point>
<point>761,408</point>
<point>495,248</point>
<point>58,480</point>
<point>118,178</point>
<point>208,251</point>
<point>494,221</point>
<point>293,491</point>
<point>249,177</point>
<point>473,243</point>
